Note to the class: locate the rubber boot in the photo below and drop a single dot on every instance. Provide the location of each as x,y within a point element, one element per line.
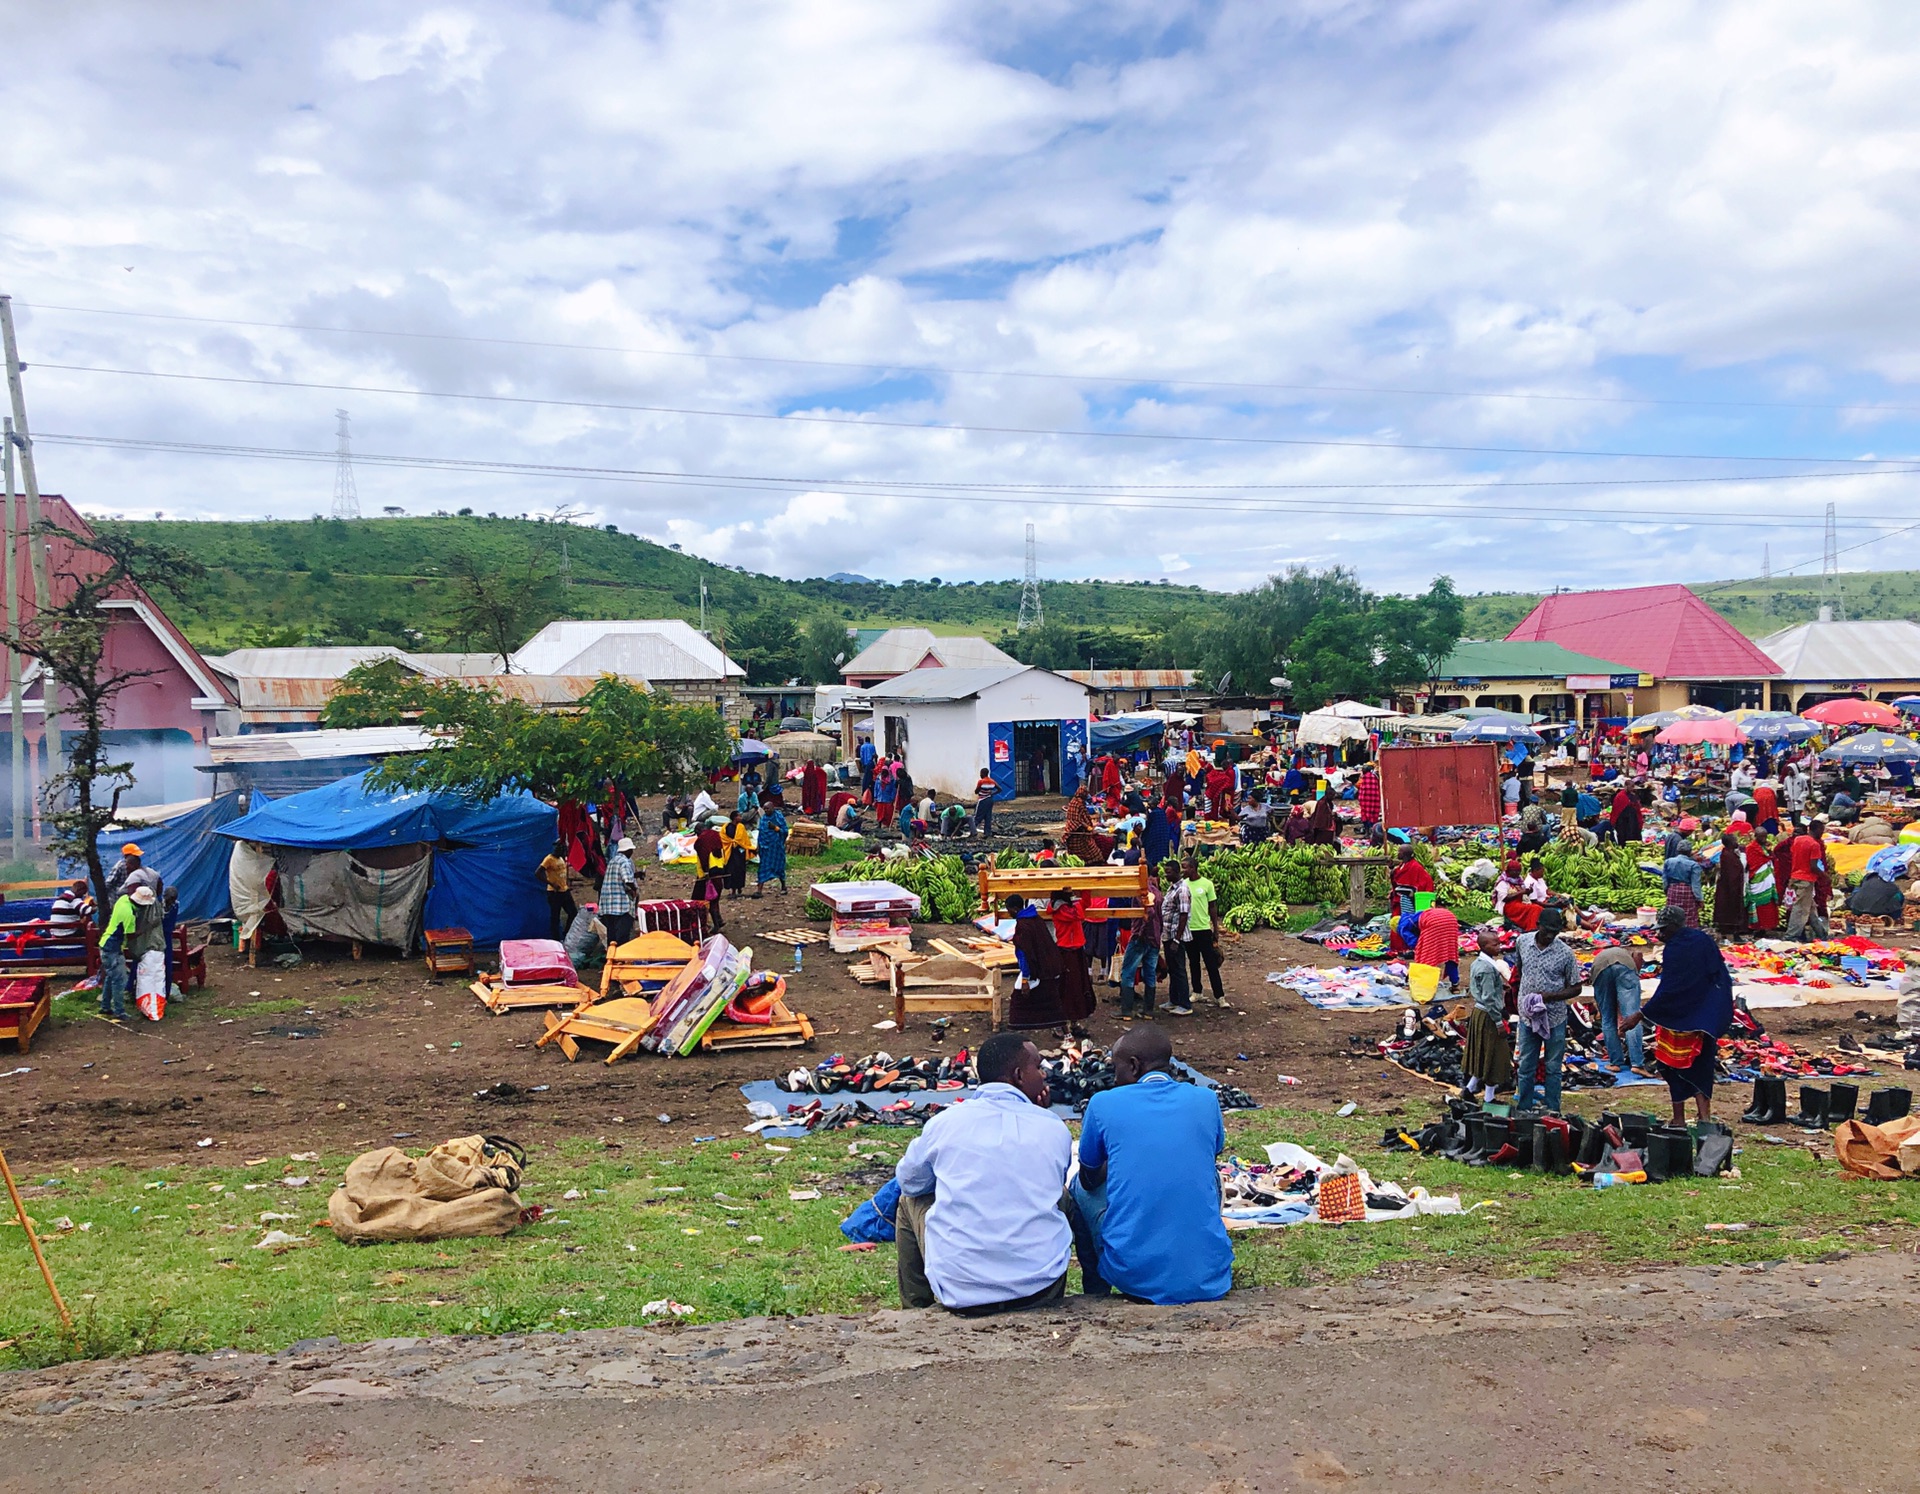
<point>1498,1132</point>
<point>1813,1109</point>
<point>1473,1135</point>
<point>1635,1127</point>
<point>1884,1105</point>
<point>1593,1147</point>
<point>1577,1128</point>
<point>1550,1147</point>
<point>1842,1101</point>
<point>1522,1143</point>
<point>1769,1107</point>
<point>1659,1155</point>
<point>1679,1150</point>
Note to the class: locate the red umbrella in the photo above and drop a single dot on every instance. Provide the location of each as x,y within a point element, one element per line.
<point>1854,713</point>
<point>1718,730</point>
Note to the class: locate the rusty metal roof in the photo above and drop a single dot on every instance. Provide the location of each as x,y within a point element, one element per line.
<point>1132,679</point>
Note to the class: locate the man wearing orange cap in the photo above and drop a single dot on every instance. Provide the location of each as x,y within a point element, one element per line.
<point>128,873</point>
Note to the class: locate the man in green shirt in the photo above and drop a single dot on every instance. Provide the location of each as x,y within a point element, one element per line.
<point>114,939</point>
<point>1203,944</point>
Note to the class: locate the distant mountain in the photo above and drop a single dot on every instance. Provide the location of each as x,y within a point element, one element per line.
<point>853,578</point>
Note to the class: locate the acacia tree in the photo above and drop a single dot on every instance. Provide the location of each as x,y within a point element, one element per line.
<point>486,744</point>
<point>68,640</point>
<point>495,603</point>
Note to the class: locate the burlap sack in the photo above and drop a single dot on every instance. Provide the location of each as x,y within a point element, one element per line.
<point>461,1187</point>
<point>1886,1152</point>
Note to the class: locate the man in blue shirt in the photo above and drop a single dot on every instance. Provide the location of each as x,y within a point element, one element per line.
<point>981,1226</point>
<point>867,757</point>
<point>1147,1198</point>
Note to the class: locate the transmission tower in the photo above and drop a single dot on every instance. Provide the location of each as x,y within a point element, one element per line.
<point>1831,603</point>
<point>346,497</point>
<point>1030,614</point>
<point>1766,562</point>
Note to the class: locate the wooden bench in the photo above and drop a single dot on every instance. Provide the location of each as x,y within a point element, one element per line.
<point>944,983</point>
<point>24,1005</point>
<point>1036,883</point>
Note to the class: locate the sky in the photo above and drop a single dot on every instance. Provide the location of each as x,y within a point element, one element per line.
<point>1531,294</point>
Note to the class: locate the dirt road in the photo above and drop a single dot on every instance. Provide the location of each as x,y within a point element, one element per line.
<point>1747,1379</point>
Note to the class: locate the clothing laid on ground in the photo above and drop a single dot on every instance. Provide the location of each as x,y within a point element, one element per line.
<point>1161,1236</point>
<point>996,1167</point>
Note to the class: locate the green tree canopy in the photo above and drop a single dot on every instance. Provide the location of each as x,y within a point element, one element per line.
<point>767,644</point>
<point>487,744</point>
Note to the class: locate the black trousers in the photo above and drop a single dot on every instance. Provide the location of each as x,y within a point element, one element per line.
<point>1204,948</point>
<point>560,912</point>
<point>619,928</point>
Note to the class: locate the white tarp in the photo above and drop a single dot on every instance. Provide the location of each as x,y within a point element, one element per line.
<point>1325,729</point>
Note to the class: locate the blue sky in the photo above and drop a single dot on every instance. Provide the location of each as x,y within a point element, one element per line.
<point>1132,260</point>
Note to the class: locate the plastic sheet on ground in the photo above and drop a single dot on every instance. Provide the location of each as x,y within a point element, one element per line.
<point>1345,990</point>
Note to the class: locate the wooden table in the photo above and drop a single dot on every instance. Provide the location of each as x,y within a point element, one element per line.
<point>448,951</point>
<point>25,1003</point>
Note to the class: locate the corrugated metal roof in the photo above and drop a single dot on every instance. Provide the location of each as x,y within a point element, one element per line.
<point>461,666</point>
<point>899,649</point>
<point>1847,651</point>
<point>1133,679</point>
<point>310,663</point>
<point>305,746</point>
<point>290,698</point>
<point>1664,631</point>
<point>944,684</point>
<point>1509,659</point>
<point>646,649</point>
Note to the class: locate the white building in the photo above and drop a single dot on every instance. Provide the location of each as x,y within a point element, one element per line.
<point>1028,725</point>
<point>667,654</point>
<point>898,650</point>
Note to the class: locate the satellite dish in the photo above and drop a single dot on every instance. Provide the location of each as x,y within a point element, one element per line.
<point>840,658</point>
<point>1225,680</point>
<point>1281,682</point>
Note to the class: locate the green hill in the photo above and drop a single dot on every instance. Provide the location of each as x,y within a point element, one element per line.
<point>387,581</point>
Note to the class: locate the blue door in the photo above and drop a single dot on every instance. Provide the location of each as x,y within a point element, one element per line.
<point>1073,754</point>
<point>1000,757</point>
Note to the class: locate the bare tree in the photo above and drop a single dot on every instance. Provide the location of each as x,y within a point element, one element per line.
<point>494,604</point>
<point>68,640</point>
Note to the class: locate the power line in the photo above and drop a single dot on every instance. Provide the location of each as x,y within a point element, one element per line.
<point>957,371</point>
<point>957,429</point>
<point>1075,498</point>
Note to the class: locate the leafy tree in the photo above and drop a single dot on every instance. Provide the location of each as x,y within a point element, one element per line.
<point>498,605</point>
<point>68,640</point>
<point>824,645</point>
<point>767,644</point>
<point>487,744</point>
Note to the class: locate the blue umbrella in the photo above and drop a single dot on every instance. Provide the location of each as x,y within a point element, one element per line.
<point>1493,729</point>
<point>1873,747</point>
<point>750,751</point>
<point>1779,726</point>
<point>1907,703</point>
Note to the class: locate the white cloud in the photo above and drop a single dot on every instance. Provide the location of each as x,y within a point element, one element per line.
<point>1626,199</point>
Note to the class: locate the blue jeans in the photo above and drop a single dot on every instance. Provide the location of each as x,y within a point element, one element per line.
<point>1617,993</point>
<point>1554,1045</point>
<point>1141,952</point>
<point>113,982</point>
<point>1086,1210</point>
<point>983,817</point>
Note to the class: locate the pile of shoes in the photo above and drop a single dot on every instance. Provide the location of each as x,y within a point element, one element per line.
<point>1822,1109</point>
<point>817,1117</point>
<point>1560,1145</point>
<point>881,1071</point>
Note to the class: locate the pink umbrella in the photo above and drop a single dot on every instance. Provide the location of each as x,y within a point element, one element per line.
<point>1720,731</point>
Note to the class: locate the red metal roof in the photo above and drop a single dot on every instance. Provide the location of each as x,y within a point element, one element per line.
<point>1665,631</point>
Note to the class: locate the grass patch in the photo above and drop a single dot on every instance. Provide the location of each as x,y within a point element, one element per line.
<point>168,1260</point>
<point>266,1007</point>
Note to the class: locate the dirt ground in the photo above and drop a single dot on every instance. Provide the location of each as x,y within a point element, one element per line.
<point>1707,1380</point>
<point>361,1052</point>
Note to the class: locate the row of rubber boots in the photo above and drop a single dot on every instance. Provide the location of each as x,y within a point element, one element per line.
<point>1822,1109</point>
<point>1556,1144</point>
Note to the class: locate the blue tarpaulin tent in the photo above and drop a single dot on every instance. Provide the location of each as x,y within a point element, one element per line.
<point>485,856</point>
<point>1117,732</point>
<point>188,852</point>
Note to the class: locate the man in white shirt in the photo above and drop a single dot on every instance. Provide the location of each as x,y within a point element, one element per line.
<point>980,1225</point>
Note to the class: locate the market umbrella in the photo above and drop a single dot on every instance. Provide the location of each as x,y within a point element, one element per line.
<point>1353,710</point>
<point>1853,713</point>
<point>750,751</point>
<point>1490,713</point>
<point>1775,726</point>
<point>1652,721</point>
<point>1908,703</point>
<point>1487,729</point>
<point>1873,747</point>
<point>1721,733</point>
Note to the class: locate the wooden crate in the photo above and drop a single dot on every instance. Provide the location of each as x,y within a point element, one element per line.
<point>25,1002</point>
<point>945,983</point>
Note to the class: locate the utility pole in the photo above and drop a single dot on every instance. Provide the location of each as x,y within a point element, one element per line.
<point>703,606</point>
<point>1031,615</point>
<point>346,495</point>
<point>17,731</point>
<point>22,441</point>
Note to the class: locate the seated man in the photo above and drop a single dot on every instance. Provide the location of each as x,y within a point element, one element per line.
<point>980,1226</point>
<point>1147,1199</point>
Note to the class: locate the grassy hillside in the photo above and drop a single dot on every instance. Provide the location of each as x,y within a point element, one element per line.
<point>386,581</point>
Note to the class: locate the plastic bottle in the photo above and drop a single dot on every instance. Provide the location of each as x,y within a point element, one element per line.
<point>1617,1179</point>
<point>797,958</point>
